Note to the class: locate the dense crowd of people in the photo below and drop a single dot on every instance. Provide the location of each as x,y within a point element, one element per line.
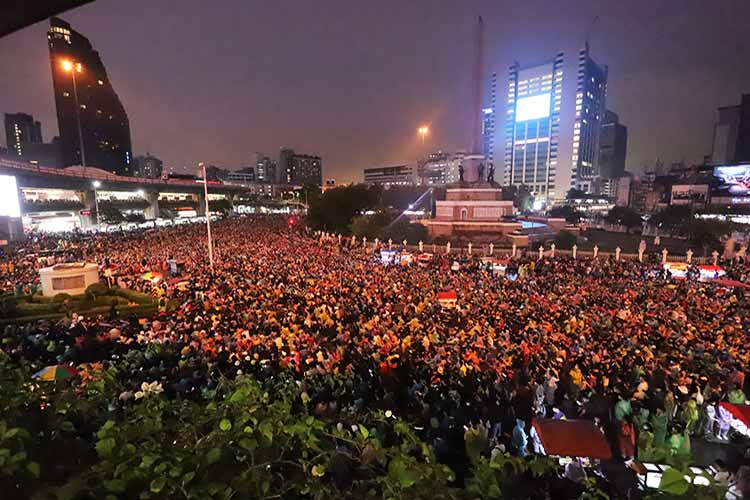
<point>646,358</point>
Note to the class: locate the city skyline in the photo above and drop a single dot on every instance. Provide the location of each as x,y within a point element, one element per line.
<point>339,84</point>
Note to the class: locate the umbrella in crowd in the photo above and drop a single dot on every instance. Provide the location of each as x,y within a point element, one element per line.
<point>55,372</point>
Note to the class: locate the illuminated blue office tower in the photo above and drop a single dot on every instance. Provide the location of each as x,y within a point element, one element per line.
<point>552,126</point>
<point>532,123</point>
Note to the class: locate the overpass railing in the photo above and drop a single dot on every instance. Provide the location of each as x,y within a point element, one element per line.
<point>96,174</point>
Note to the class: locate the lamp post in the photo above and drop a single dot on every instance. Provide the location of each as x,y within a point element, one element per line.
<point>97,185</point>
<point>423,131</point>
<point>202,166</point>
<point>73,68</point>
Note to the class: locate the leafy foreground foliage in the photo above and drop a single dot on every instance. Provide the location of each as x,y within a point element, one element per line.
<point>242,439</point>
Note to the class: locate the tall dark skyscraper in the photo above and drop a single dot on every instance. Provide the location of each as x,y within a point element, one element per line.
<point>300,169</point>
<point>147,166</point>
<point>613,145</point>
<point>732,134</point>
<point>265,169</point>
<point>489,113</point>
<point>591,94</point>
<point>104,125</point>
<point>284,165</point>
<point>20,131</point>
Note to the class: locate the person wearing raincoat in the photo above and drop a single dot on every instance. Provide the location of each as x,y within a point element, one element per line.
<point>519,438</point>
<point>659,423</point>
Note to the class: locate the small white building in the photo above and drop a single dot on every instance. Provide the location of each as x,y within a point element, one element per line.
<point>71,278</point>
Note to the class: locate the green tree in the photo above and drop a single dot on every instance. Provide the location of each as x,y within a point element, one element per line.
<point>706,234</point>
<point>570,214</point>
<point>387,224</point>
<point>672,219</point>
<point>109,213</point>
<point>371,226</point>
<point>565,240</point>
<point>336,208</point>
<point>576,194</point>
<point>135,217</point>
<point>521,197</point>
<point>402,230</point>
<point>625,216</point>
<point>223,206</point>
<point>403,197</point>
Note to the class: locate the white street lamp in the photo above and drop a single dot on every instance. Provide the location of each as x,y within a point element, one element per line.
<point>202,166</point>
<point>73,68</point>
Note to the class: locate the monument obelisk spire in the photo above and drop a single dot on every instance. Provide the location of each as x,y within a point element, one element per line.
<point>476,105</point>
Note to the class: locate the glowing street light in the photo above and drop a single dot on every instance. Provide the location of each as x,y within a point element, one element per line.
<point>423,131</point>
<point>73,68</point>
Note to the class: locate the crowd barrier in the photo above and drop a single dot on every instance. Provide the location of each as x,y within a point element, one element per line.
<point>540,252</point>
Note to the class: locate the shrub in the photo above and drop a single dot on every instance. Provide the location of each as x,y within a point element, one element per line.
<point>8,306</point>
<point>132,295</point>
<point>42,299</point>
<point>33,309</point>
<point>61,297</point>
<point>97,289</point>
<point>106,300</point>
<point>565,240</point>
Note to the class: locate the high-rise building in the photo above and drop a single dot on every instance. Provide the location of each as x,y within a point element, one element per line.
<point>24,138</point>
<point>285,164</point>
<point>489,117</point>
<point>266,169</point>
<point>731,142</point>
<point>398,175</point>
<point>242,176</point>
<point>591,94</point>
<point>613,145</point>
<point>441,169</point>
<point>21,130</point>
<point>300,169</point>
<point>147,166</point>
<point>214,173</point>
<point>532,126</point>
<point>540,120</point>
<point>306,170</point>
<point>86,102</point>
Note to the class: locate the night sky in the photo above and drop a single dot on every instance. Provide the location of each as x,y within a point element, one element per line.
<point>351,80</point>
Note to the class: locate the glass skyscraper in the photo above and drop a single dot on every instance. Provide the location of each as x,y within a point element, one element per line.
<point>489,117</point>
<point>551,146</point>
<point>591,94</point>
<point>532,121</point>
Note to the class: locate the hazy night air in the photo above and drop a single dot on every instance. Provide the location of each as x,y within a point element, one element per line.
<point>353,81</point>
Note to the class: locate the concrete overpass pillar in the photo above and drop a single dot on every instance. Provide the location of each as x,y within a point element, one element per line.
<point>201,208</point>
<point>88,199</point>
<point>230,199</point>
<point>152,211</point>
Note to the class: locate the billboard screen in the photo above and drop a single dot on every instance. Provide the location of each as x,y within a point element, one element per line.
<point>532,107</point>
<point>685,194</point>
<point>734,184</point>
<point>9,205</point>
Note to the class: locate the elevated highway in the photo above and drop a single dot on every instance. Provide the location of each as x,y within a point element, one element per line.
<point>83,180</point>
<point>79,178</point>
